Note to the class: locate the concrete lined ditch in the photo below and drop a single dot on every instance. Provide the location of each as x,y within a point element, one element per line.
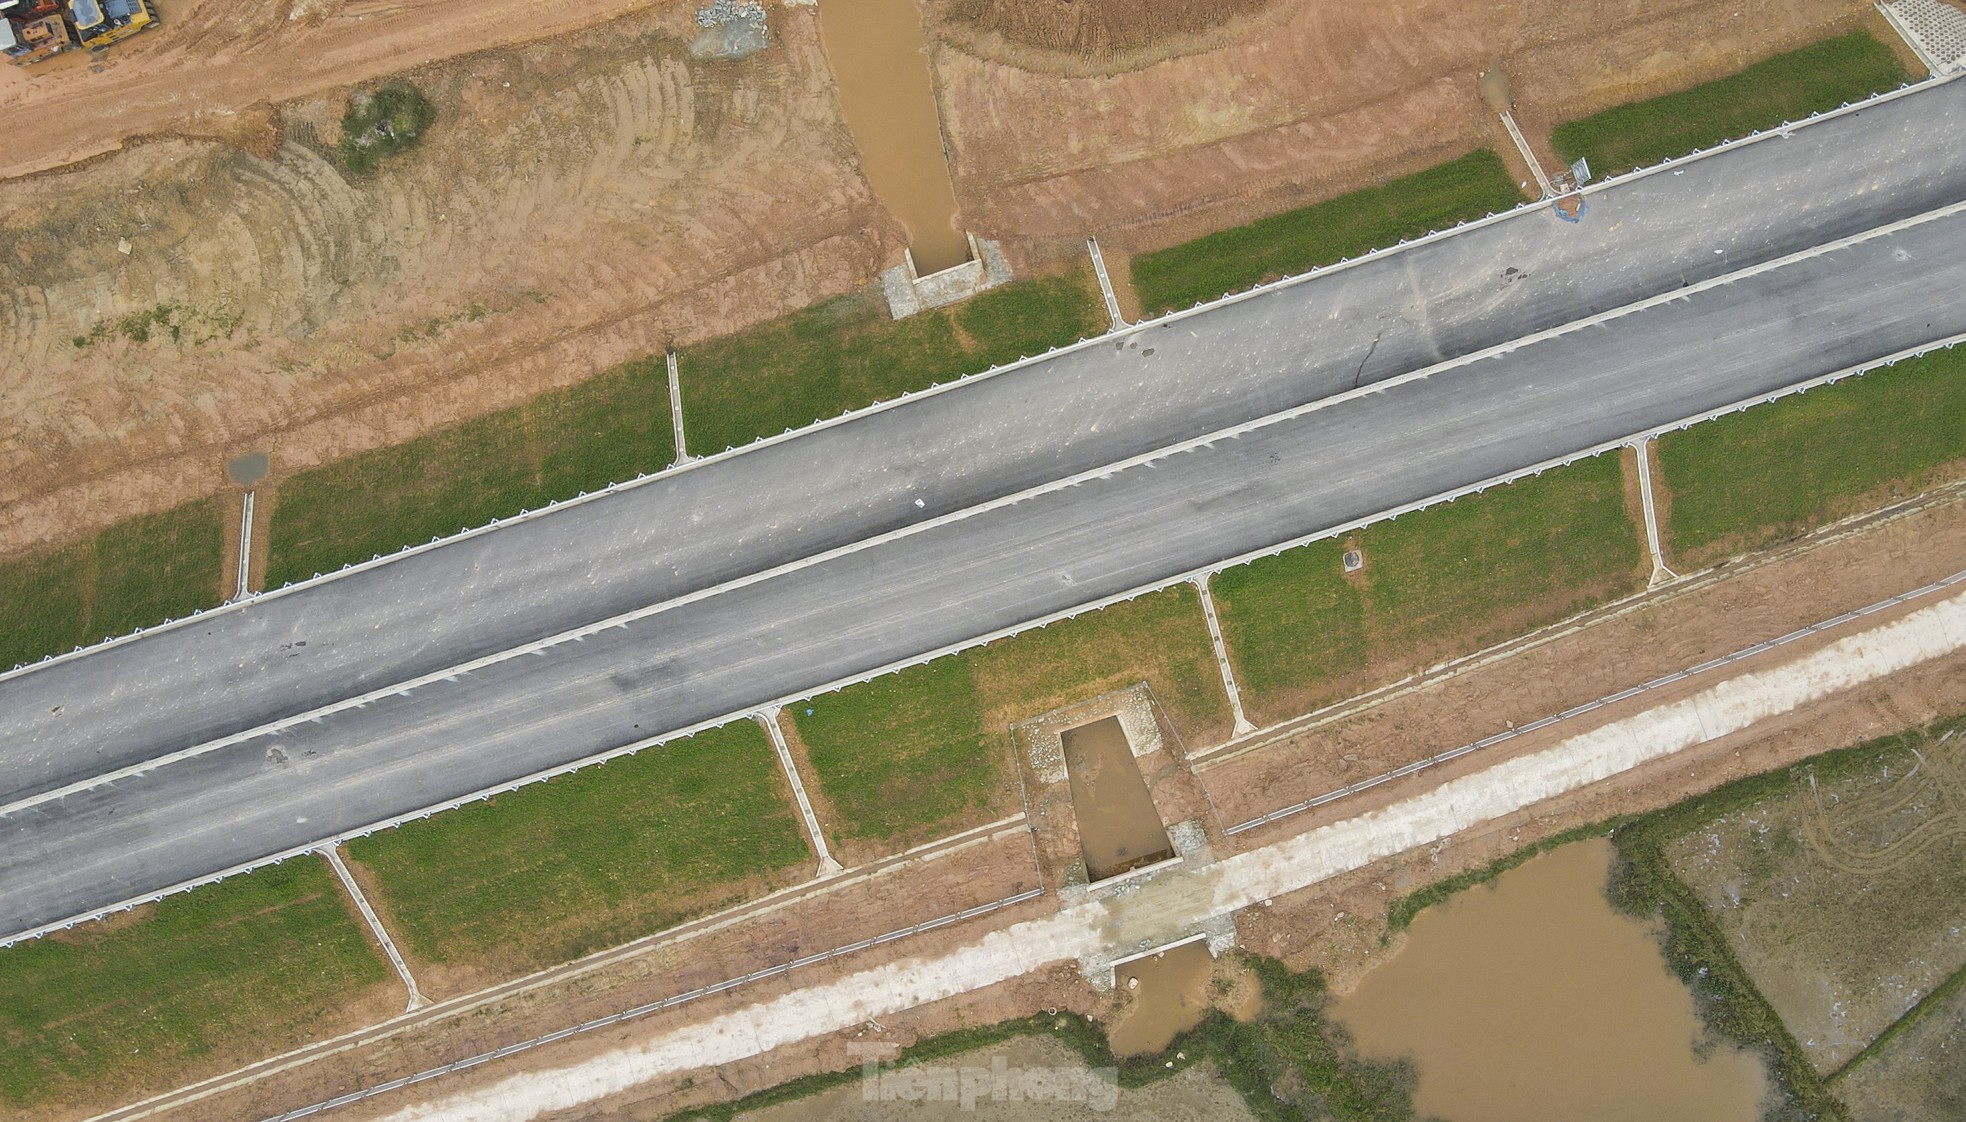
<point>1119,829</point>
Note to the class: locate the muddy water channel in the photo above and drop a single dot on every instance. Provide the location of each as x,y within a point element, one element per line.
<point>1533,999</point>
<point>1118,825</point>
<point>1167,994</point>
<point>880,61</point>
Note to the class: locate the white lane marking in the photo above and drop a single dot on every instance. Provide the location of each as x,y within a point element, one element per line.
<point>540,646</point>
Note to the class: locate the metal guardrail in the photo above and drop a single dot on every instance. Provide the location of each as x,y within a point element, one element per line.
<point>652,1007</point>
<point>1423,764</point>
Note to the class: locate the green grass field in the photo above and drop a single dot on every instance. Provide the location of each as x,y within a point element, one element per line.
<point>1749,479</point>
<point>925,752</point>
<point>590,860</point>
<point>1787,87</point>
<point>605,430</point>
<point>230,972</point>
<point>846,354</point>
<point>134,574</point>
<point>1232,260</point>
<point>1441,582</point>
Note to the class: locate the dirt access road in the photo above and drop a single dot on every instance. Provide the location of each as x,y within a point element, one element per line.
<point>212,60</point>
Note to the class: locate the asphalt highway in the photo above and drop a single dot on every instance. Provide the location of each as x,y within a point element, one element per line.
<point>728,561</point>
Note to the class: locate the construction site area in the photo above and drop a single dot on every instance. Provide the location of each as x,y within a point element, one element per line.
<point>303,297</point>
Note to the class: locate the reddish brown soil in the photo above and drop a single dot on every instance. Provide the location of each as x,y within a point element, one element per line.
<point>580,202</point>
<point>1095,28</point>
<point>1302,100</point>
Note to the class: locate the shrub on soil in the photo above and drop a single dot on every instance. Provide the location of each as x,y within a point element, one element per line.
<point>382,124</point>
<point>1285,244</point>
<point>136,573</point>
<point>1749,479</point>
<point>590,860</point>
<point>847,354</point>
<point>1787,87</point>
<point>608,429</point>
<point>222,974</point>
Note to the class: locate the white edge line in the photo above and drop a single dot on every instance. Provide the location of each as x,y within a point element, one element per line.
<point>636,615</point>
<point>1534,207</point>
<point>1002,633</point>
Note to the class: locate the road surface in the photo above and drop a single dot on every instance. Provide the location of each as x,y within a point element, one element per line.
<point>763,575</point>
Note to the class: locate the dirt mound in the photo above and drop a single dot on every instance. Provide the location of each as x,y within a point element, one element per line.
<point>1096,27</point>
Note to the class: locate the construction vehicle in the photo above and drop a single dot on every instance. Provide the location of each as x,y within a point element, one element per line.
<point>102,22</point>
<point>32,30</point>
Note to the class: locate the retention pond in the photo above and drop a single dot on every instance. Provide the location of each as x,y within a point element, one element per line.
<point>1532,998</point>
<point>1119,828</point>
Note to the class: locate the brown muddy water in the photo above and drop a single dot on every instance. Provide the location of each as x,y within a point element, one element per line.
<point>1531,998</point>
<point>1168,995</point>
<point>1119,829</point>
<point>880,62</point>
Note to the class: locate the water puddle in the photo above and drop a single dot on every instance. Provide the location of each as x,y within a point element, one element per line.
<point>1119,828</point>
<point>1533,998</point>
<point>1169,995</point>
<point>880,62</point>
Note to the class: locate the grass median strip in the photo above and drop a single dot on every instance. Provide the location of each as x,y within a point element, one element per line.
<point>136,573</point>
<point>926,751</point>
<point>590,860</point>
<point>1749,479</point>
<point>1787,87</point>
<point>1437,583</point>
<point>608,429</point>
<point>847,354</point>
<point>1323,233</point>
<point>197,982</point>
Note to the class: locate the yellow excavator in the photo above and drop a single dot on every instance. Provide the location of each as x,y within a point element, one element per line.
<point>101,22</point>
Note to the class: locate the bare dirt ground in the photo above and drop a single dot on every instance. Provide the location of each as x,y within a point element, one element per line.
<point>1298,101</point>
<point>212,62</point>
<point>579,202</point>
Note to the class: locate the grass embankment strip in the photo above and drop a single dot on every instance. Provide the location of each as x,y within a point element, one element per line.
<point>1323,233</point>
<point>1437,583</point>
<point>1787,87</point>
<point>594,859</point>
<point>610,428</point>
<point>136,573</point>
<point>1778,470</point>
<point>1288,1062</point>
<point>229,972</point>
<point>926,751</point>
<point>847,354</point>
